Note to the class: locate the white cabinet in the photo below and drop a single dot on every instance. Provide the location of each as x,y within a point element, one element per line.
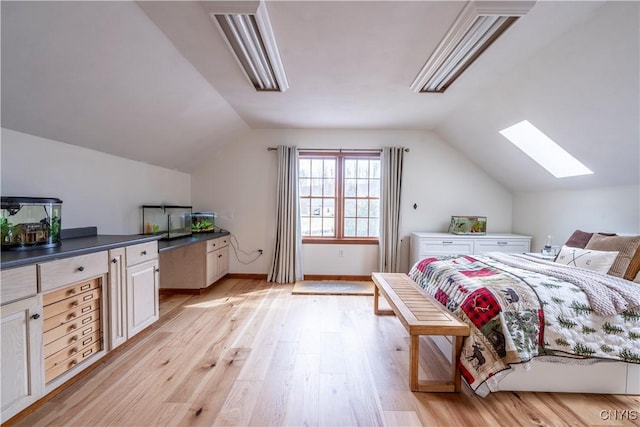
<point>21,373</point>
<point>117,298</point>
<point>142,283</point>
<point>433,244</point>
<point>217,259</point>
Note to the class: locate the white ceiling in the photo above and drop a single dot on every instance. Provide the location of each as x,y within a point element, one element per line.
<point>155,82</point>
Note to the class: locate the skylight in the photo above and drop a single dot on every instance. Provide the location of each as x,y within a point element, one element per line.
<point>544,150</point>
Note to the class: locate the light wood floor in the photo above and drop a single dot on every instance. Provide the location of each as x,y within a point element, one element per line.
<point>249,353</point>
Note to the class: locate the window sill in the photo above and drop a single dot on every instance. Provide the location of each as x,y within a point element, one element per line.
<point>334,241</point>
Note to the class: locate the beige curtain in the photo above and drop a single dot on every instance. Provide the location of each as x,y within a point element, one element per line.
<point>286,266</point>
<point>389,255</point>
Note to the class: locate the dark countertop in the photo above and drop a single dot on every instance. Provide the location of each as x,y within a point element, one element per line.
<point>70,248</point>
<point>165,245</point>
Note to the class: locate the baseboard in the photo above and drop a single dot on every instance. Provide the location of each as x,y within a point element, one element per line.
<point>353,278</point>
<point>176,291</point>
<point>252,276</point>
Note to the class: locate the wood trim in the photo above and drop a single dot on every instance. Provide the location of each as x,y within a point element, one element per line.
<point>251,276</point>
<point>177,291</point>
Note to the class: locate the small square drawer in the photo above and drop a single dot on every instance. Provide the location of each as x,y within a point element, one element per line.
<point>136,254</point>
<point>218,243</point>
<point>63,272</point>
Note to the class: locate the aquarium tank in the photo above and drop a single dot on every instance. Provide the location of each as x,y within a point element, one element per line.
<point>203,222</point>
<point>30,223</point>
<point>167,221</point>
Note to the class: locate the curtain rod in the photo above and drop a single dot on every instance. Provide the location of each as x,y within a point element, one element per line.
<point>339,150</point>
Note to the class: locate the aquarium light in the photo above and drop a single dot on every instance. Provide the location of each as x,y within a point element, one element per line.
<point>247,30</point>
<point>544,150</point>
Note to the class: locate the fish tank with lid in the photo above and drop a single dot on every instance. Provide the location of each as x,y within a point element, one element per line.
<point>167,221</point>
<point>30,223</point>
<point>203,222</point>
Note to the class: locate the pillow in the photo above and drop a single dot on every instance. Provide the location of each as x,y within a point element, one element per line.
<point>625,245</point>
<point>578,239</point>
<point>634,267</point>
<point>585,258</point>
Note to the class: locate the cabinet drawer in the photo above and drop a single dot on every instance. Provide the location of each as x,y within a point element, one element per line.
<point>71,291</point>
<point>70,315</point>
<point>510,246</point>
<point>63,272</point>
<point>71,362</point>
<point>69,340</point>
<point>71,304</point>
<point>72,350</point>
<point>82,326</point>
<point>218,243</point>
<point>140,253</point>
<point>18,283</point>
<point>445,246</point>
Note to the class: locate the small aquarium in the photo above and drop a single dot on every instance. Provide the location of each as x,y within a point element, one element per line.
<point>168,221</point>
<point>468,225</point>
<point>30,223</point>
<point>202,222</point>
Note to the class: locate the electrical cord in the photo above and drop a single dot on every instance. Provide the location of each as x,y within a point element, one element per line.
<point>236,248</point>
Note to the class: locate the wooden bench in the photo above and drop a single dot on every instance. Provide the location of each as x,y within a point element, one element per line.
<point>421,315</point>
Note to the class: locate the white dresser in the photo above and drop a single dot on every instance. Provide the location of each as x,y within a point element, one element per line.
<point>429,244</point>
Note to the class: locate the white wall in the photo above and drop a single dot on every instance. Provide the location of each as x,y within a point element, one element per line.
<point>559,213</point>
<point>96,189</point>
<point>239,184</point>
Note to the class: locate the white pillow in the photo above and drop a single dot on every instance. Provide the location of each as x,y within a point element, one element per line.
<point>590,259</point>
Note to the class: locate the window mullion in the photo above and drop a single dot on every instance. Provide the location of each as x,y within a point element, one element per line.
<point>339,197</point>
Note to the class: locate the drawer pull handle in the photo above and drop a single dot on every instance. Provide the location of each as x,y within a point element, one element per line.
<point>447,243</point>
<point>85,309</point>
<point>73,327</point>
<point>143,253</point>
<point>87,297</point>
<point>87,320</point>
<point>85,287</point>
<point>81,268</point>
<point>87,331</point>
<point>88,352</point>
<point>87,341</point>
<point>503,243</point>
<point>74,350</point>
<point>73,339</point>
<point>114,260</point>
<point>73,363</point>
<point>75,304</point>
<point>220,256</point>
<point>71,291</point>
<point>71,316</point>
<point>35,316</point>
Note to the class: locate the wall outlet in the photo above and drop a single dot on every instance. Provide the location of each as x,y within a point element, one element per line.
<point>340,253</point>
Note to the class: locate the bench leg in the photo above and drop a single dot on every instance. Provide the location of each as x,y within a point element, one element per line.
<point>456,348</point>
<point>376,301</point>
<point>414,359</point>
<point>415,384</point>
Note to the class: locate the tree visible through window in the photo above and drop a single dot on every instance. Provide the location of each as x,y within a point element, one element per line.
<point>339,196</point>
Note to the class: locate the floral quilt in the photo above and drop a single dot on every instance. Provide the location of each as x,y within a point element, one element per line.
<point>515,314</point>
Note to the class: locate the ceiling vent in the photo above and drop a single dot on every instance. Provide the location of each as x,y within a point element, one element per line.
<point>247,30</point>
<point>477,26</point>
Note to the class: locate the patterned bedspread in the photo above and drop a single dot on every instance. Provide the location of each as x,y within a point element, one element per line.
<point>516,314</point>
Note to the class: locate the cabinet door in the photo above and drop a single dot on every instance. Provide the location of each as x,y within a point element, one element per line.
<point>223,261</point>
<point>117,297</point>
<point>142,296</point>
<point>21,373</point>
<point>212,267</point>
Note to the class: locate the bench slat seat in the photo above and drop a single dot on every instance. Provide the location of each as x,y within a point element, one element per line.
<point>420,314</point>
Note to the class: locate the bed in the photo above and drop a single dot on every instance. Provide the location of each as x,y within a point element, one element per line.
<point>537,325</point>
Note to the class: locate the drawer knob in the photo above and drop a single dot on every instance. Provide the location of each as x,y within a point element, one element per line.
<point>35,316</point>
<point>81,268</point>
<point>114,260</point>
<point>143,253</point>
<point>157,270</point>
<point>220,256</point>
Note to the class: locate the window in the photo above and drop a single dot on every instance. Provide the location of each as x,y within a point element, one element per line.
<point>339,197</point>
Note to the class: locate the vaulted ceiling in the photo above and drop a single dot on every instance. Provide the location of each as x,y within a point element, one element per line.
<point>155,82</point>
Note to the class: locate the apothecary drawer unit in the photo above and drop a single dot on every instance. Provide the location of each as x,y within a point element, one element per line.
<point>72,326</point>
<point>424,245</point>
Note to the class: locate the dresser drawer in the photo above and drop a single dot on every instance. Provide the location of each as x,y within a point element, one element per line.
<point>69,340</point>
<point>69,351</point>
<point>445,246</point>
<point>18,283</point>
<point>71,362</point>
<point>70,315</point>
<point>63,272</point>
<point>218,243</point>
<point>504,245</point>
<point>71,291</point>
<point>71,304</point>
<point>81,326</point>
<point>137,254</point>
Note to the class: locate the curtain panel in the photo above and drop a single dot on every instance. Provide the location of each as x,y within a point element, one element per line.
<point>286,266</point>
<point>389,249</point>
